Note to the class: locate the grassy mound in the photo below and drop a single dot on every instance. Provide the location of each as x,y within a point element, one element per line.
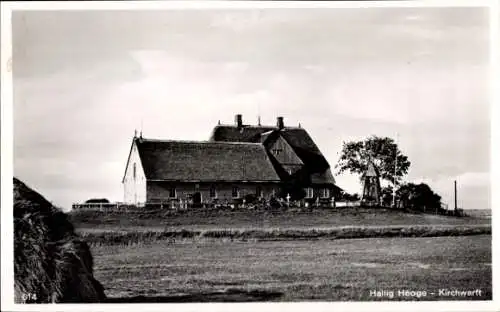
<point>203,219</point>
<point>51,263</point>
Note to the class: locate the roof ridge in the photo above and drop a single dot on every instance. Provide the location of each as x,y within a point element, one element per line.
<point>198,142</point>
<point>245,126</point>
<point>257,126</point>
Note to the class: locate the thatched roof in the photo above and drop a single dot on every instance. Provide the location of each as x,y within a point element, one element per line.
<point>205,161</point>
<point>246,133</point>
<point>51,263</point>
<point>298,138</point>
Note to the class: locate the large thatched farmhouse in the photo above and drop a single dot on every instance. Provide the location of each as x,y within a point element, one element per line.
<point>237,161</point>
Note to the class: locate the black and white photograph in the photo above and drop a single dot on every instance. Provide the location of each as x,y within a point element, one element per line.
<point>247,152</point>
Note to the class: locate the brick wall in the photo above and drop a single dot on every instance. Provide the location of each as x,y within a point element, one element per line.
<point>160,191</point>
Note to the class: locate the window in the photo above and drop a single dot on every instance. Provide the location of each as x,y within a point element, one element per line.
<point>309,192</point>
<point>325,193</point>
<point>172,193</point>
<point>258,192</point>
<point>277,151</point>
<point>236,192</point>
<point>135,170</point>
<point>213,192</point>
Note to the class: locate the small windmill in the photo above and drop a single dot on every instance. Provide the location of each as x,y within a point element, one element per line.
<point>371,186</point>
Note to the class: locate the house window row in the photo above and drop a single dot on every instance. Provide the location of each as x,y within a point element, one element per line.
<point>323,193</point>
<point>309,192</point>
<point>213,192</point>
<point>172,193</point>
<point>235,192</point>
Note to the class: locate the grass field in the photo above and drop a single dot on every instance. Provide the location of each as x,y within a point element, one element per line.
<point>248,255</point>
<point>149,226</point>
<point>244,219</point>
<point>332,270</point>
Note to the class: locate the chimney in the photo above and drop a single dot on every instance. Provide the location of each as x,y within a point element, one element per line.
<point>238,120</point>
<point>279,123</point>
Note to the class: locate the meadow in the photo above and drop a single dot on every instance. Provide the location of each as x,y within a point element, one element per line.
<point>320,254</point>
<point>327,270</point>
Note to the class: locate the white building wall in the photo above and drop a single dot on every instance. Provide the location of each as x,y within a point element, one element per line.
<point>134,187</point>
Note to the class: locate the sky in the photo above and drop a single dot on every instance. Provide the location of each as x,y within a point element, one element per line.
<point>85,80</point>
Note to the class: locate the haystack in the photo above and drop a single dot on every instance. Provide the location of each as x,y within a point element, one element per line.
<point>51,263</point>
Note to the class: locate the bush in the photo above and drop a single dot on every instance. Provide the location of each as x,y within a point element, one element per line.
<point>344,196</point>
<point>97,201</point>
<point>273,202</point>
<point>250,199</point>
<point>295,192</point>
<point>418,197</point>
<point>51,263</point>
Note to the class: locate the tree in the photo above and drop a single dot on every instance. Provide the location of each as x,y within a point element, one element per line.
<point>344,196</point>
<point>97,201</point>
<point>387,196</point>
<point>418,197</point>
<point>382,151</point>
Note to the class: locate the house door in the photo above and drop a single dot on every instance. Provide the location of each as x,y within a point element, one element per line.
<point>197,199</point>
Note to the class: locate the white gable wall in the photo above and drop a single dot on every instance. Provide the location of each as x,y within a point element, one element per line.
<point>134,188</point>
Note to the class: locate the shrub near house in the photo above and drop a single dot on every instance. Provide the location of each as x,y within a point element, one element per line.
<point>97,201</point>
